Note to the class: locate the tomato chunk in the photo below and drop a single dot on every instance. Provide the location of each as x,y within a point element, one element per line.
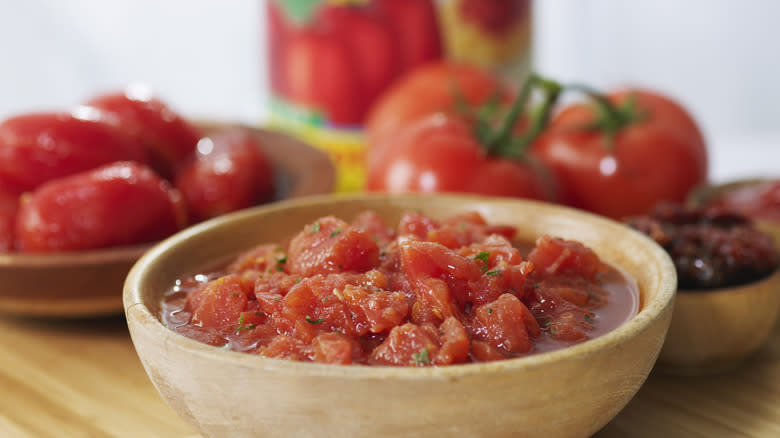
<point>331,245</point>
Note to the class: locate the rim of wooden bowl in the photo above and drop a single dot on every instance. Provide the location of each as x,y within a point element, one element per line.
<point>136,308</point>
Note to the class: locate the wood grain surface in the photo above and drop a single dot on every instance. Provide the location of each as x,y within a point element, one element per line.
<point>83,379</point>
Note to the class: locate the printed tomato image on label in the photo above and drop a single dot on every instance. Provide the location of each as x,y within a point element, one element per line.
<point>330,61</point>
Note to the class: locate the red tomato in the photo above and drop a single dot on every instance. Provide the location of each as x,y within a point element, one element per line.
<point>416,28</point>
<point>230,171</point>
<point>433,88</point>
<point>276,37</point>
<point>494,17</point>
<point>168,138</point>
<point>441,154</point>
<point>340,63</point>
<point>119,204</point>
<point>9,204</point>
<point>35,148</point>
<point>658,156</point>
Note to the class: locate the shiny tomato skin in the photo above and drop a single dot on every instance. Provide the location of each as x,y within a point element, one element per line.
<point>372,45</point>
<point>441,154</point>
<point>9,204</point>
<point>416,28</point>
<point>230,171</point>
<point>432,88</point>
<point>660,157</point>
<point>121,203</point>
<point>319,73</point>
<point>39,147</point>
<point>167,136</point>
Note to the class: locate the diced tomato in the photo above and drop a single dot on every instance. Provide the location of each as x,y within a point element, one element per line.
<point>221,302</point>
<point>286,347</point>
<point>454,343</point>
<point>331,245</point>
<point>407,344</point>
<point>506,324</point>
<point>335,348</point>
<point>554,256</point>
<point>373,224</point>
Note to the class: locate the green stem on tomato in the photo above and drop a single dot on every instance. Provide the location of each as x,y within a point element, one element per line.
<point>505,145</point>
<point>610,118</point>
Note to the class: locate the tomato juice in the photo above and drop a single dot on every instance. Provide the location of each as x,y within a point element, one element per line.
<point>425,292</point>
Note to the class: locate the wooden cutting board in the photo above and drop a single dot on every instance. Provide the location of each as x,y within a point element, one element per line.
<point>78,379</point>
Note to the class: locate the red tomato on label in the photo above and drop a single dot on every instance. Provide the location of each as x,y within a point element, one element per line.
<point>168,138</point>
<point>659,156</point>
<point>36,148</point>
<point>441,154</point>
<point>119,204</point>
<point>416,28</point>
<point>341,62</point>
<point>230,171</point>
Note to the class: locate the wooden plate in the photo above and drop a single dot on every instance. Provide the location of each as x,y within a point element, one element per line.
<point>89,283</point>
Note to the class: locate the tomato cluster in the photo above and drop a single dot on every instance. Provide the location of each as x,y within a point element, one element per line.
<point>449,127</point>
<point>123,168</point>
<point>345,55</point>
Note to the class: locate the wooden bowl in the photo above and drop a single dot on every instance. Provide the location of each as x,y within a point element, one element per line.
<point>89,283</point>
<point>715,331</point>
<point>571,392</point>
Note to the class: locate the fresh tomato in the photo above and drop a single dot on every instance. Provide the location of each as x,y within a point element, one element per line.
<point>168,138</point>
<point>440,153</point>
<point>416,28</point>
<point>39,147</point>
<point>230,171</point>
<point>118,204</point>
<point>9,204</point>
<point>435,87</point>
<point>624,153</point>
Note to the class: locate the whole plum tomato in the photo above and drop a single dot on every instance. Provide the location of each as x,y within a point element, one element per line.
<point>416,27</point>
<point>168,137</point>
<point>38,147</point>
<point>449,153</point>
<point>435,87</point>
<point>624,152</point>
<point>339,64</point>
<point>121,203</point>
<point>230,171</point>
<point>9,204</point>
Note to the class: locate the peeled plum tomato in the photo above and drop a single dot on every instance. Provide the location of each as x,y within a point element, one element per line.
<point>117,204</point>
<point>229,172</point>
<point>39,147</point>
<point>9,204</point>
<point>365,293</point>
<point>168,138</point>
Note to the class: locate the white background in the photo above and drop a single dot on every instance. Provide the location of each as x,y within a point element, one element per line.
<point>721,58</point>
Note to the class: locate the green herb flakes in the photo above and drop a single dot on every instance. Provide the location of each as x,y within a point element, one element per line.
<point>485,257</point>
<point>421,357</point>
